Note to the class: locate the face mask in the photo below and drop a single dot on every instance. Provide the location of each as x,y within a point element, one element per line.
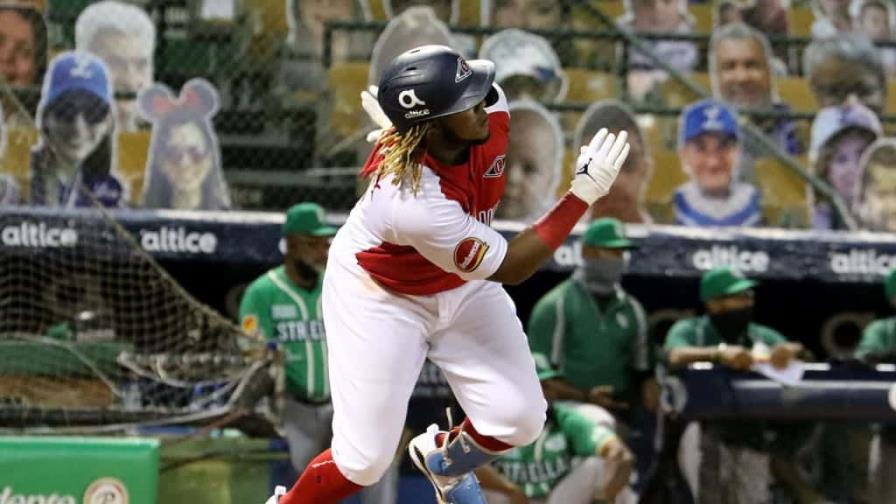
<point>601,275</point>
<point>304,269</point>
<point>731,324</point>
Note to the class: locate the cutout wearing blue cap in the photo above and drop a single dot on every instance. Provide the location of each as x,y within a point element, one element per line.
<point>76,71</point>
<point>707,116</point>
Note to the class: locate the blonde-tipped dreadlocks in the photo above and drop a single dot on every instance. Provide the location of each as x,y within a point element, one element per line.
<point>402,154</point>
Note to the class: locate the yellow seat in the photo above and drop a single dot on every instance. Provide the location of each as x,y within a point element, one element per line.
<point>667,175</point>
<point>16,158</point>
<point>273,29</point>
<point>131,159</point>
<point>468,15</point>
<point>612,8</point>
<point>470,11</point>
<point>676,94</point>
<point>891,96</point>
<point>347,80</point>
<point>586,86</point>
<point>801,19</point>
<point>796,93</point>
<point>702,14</point>
<point>784,194</point>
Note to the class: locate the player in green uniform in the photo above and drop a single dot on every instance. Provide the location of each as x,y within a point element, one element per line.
<point>734,466</point>
<point>592,330</point>
<point>878,345</point>
<point>284,305</point>
<point>573,461</point>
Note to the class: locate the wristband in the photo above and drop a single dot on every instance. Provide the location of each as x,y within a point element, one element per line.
<point>554,226</point>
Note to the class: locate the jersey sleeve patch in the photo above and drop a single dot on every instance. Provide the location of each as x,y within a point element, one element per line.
<point>250,324</point>
<point>497,167</point>
<point>468,254</point>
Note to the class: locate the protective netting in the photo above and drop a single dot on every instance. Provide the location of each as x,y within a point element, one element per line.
<point>93,332</point>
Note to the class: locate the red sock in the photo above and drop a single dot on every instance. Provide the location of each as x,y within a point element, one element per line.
<point>321,483</point>
<point>487,442</point>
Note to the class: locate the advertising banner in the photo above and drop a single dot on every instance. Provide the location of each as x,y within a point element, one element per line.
<point>78,470</point>
<point>254,238</point>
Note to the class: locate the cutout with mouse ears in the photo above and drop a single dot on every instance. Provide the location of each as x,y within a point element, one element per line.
<point>183,169</point>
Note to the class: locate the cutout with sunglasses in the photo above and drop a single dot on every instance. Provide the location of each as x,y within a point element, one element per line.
<point>72,164</point>
<point>184,166</point>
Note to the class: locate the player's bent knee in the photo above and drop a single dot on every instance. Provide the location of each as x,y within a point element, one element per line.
<point>527,423</point>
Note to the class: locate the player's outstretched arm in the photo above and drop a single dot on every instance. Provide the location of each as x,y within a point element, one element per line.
<point>596,169</point>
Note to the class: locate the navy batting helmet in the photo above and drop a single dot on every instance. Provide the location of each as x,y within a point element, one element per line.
<point>433,81</point>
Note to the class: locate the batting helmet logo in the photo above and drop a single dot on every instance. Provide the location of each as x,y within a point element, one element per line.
<point>469,253</point>
<point>408,99</point>
<point>463,70</point>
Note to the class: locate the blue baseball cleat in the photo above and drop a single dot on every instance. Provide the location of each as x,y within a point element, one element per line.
<point>460,489</point>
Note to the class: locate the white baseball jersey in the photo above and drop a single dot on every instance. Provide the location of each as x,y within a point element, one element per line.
<point>405,281</point>
<point>440,237</point>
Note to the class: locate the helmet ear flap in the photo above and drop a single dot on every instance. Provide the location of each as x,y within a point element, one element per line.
<point>492,97</point>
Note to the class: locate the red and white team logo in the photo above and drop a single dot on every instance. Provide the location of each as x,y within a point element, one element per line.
<point>107,491</point>
<point>468,254</point>
<point>497,167</point>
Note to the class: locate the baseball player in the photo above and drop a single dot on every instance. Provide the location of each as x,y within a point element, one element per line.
<point>574,460</point>
<point>415,272</point>
<point>283,305</point>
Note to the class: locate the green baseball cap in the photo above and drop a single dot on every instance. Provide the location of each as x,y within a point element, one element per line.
<point>890,284</point>
<point>607,233</point>
<point>725,281</point>
<point>308,219</point>
<point>543,367</point>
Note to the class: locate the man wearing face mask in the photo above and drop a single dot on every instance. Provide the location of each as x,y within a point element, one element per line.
<point>735,459</point>
<point>593,331</point>
<point>284,305</point>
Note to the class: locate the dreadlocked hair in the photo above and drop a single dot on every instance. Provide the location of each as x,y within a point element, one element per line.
<point>402,153</point>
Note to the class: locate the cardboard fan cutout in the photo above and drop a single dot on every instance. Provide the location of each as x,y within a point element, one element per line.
<point>183,170</point>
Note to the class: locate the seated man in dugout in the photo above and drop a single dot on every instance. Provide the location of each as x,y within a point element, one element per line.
<point>577,459</point>
<point>734,456</point>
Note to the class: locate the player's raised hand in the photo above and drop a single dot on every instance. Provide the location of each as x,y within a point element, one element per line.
<point>598,164</point>
<point>370,105</point>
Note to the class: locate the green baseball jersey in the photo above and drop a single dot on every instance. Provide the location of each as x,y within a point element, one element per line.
<point>879,335</point>
<point>539,467</point>
<point>590,346</point>
<point>699,332</point>
<point>277,309</point>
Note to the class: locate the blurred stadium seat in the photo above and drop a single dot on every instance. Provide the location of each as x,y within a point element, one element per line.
<point>795,92</point>
<point>131,157</point>
<point>702,14</point>
<point>586,86</point>
<point>612,8</point>
<point>675,94</point>
<point>801,19</point>
<point>784,196</point>
<point>347,80</point>
<point>667,175</point>
<point>16,159</point>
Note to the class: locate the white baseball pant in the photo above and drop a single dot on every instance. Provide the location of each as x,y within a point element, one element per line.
<point>308,430</point>
<point>378,341</point>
